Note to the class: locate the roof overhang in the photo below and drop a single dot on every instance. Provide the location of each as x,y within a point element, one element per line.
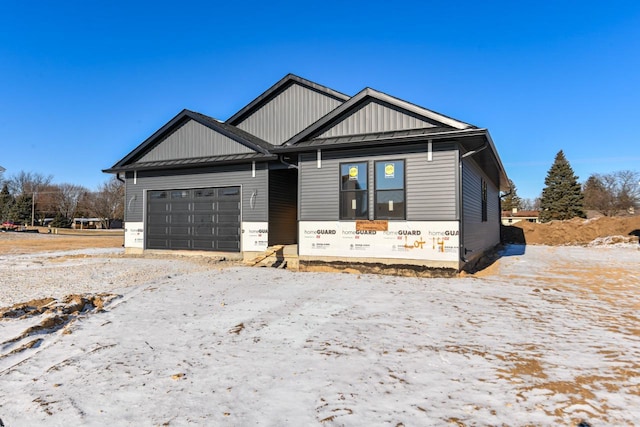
<point>193,162</point>
<point>476,142</point>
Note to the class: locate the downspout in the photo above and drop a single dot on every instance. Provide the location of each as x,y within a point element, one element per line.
<point>288,165</point>
<point>463,250</point>
<point>118,177</point>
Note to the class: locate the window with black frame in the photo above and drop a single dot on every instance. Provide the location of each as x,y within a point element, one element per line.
<point>390,189</point>
<point>354,194</point>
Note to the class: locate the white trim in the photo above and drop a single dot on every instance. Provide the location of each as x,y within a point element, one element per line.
<point>319,159</point>
<point>430,151</point>
<point>253,169</point>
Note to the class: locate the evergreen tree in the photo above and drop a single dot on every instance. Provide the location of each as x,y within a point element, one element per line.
<point>6,202</point>
<point>511,200</point>
<point>60,221</point>
<point>21,209</point>
<point>562,197</point>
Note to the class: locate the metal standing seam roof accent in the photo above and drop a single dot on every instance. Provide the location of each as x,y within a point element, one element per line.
<point>279,87</point>
<point>238,135</point>
<point>194,161</point>
<point>373,137</point>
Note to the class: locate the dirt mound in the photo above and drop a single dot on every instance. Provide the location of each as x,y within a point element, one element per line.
<point>576,231</point>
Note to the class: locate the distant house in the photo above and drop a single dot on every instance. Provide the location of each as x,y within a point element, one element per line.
<point>368,178</point>
<point>87,223</point>
<point>514,216</point>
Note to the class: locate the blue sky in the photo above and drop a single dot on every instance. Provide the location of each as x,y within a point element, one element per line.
<point>82,83</point>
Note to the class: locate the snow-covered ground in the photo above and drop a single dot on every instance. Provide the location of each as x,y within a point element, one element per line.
<point>546,336</point>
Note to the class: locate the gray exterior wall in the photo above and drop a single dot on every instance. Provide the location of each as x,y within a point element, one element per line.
<point>374,117</point>
<point>431,187</point>
<point>222,176</point>
<point>194,140</point>
<point>478,235</point>
<point>288,113</point>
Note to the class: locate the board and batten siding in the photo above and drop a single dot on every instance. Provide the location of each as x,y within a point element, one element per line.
<point>291,111</point>
<point>478,235</point>
<point>431,186</point>
<point>194,140</point>
<point>375,117</point>
<point>222,176</point>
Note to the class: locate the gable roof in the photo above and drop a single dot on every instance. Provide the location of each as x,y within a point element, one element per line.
<point>278,88</point>
<point>261,148</point>
<point>367,95</point>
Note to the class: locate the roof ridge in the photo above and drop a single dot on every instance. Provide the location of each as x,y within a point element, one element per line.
<point>277,88</point>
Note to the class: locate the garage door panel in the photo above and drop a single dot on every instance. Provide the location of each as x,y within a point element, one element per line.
<point>202,219</point>
<point>199,206</point>
<point>181,208</point>
<point>179,244</point>
<point>159,208</point>
<point>157,230</point>
<point>157,243</point>
<point>157,219</point>
<point>226,219</point>
<point>228,206</point>
<point>228,246</point>
<point>179,231</point>
<point>180,218</point>
<point>226,231</point>
<point>203,245</point>
<point>204,232</point>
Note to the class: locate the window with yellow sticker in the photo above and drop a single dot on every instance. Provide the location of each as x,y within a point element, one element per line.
<point>390,189</point>
<point>354,192</point>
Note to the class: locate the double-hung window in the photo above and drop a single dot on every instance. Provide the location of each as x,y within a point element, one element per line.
<point>390,189</point>
<point>354,193</point>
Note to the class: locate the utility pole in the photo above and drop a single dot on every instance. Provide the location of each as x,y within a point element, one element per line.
<point>33,206</point>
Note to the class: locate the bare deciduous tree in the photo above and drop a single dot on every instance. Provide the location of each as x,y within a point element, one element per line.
<point>27,183</point>
<point>613,193</point>
<point>107,203</point>
<point>531,204</point>
<point>66,199</point>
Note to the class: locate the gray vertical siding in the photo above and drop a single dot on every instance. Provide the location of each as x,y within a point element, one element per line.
<point>431,187</point>
<point>288,113</point>
<point>375,117</point>
<point>318,189</point>
<point>194,140</point>
<point>223,176</point>
<point>478,235</point>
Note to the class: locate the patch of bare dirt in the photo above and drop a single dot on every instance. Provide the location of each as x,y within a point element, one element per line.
<point>55,314</point>
<point>576,231</point>
<point>26,243</point>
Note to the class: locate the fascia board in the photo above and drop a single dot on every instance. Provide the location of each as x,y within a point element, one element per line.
<point>150,140</point>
